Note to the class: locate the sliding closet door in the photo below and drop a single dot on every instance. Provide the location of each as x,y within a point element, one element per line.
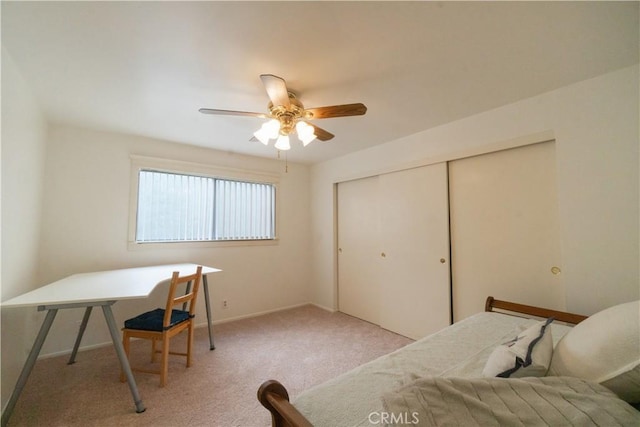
<point>393,250</point>
<point>504,229</point>
<point>359,249</point>
<point>414,230</point>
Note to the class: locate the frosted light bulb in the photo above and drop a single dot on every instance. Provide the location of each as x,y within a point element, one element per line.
<point>282,143</point>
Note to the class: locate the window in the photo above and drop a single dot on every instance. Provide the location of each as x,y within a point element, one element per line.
<point>183,207</point>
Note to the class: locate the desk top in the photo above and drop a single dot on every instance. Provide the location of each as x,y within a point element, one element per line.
<point>128,283</point>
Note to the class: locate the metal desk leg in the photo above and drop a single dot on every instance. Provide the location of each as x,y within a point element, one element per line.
<point>207,304</point>
<point>83,326</point>
<point>28,366</point>
<point>124,361</point>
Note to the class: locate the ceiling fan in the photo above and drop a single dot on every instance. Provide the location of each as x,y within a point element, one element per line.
<point>286,114</point>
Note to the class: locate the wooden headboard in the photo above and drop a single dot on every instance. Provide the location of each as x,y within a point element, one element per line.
<point>561,316</point>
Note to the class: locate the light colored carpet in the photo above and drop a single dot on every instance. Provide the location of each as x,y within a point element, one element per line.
<point>300,347</point>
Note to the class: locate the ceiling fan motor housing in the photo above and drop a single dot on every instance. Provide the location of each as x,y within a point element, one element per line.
<point>287,116</point>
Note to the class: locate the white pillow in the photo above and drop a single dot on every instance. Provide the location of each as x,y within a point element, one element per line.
<point>604,348</point>
<point>527,355</point>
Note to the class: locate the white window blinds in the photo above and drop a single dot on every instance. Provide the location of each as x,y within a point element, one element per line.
<point>178,207</point>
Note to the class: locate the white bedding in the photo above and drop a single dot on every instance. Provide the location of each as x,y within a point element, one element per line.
<point>459,350</point>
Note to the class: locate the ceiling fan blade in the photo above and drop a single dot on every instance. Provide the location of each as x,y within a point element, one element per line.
<point>232,113</point>
<point>337,111</point>
<point>277,89</point>
<point>320,133</point>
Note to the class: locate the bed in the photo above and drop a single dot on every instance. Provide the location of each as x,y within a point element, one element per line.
<point>458,375</point>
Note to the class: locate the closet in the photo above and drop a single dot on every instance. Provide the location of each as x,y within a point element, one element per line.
<point>421,246</point>
<point>393,250</point>
<point>505,229</point>
<point>359,249</point>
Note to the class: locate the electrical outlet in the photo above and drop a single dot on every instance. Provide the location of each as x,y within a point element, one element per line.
<point>225,303</point>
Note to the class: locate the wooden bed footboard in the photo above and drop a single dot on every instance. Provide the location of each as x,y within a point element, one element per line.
<point>274,396</point>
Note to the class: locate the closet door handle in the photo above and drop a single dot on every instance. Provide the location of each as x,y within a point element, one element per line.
<point>383,255</point>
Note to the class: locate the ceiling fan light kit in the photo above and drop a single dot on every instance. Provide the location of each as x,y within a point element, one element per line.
<point>268,130</point>
<point>287,114</point>
<point>305,133</point>
<point>282,143</point>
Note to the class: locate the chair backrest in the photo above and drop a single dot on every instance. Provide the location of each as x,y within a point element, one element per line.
<point>189,297</point>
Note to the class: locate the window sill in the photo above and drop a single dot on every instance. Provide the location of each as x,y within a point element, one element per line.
<point>135,246</point>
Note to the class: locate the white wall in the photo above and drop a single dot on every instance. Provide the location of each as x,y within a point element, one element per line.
<point>23,153</point>
<point>595,124</point>
<point>65,207</point>
<point>85,228</point>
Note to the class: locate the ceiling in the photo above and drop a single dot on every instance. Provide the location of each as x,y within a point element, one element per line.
<point>145,68</point>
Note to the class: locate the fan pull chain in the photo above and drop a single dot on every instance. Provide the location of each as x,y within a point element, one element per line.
<point>286,161</point>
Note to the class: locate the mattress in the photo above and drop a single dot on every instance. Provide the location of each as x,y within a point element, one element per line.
<point>459,350</point>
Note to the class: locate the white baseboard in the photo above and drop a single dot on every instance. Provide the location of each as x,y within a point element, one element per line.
<point>330,310</point>
<point>248,316</point>
<point>199,325</point>
<point>82,348</point>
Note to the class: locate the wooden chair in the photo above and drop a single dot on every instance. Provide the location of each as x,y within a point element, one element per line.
<point>163,324</point>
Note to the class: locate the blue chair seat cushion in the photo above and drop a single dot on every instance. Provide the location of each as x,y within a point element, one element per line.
<point>152,320</point>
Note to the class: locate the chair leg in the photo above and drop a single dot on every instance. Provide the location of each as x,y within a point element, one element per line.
<point>189,343</point>
<point>153,350</point>
<point>164,369</point>
<point>125,345</point>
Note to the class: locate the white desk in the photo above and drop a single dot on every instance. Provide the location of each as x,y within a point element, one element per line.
<point>90,290</point>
